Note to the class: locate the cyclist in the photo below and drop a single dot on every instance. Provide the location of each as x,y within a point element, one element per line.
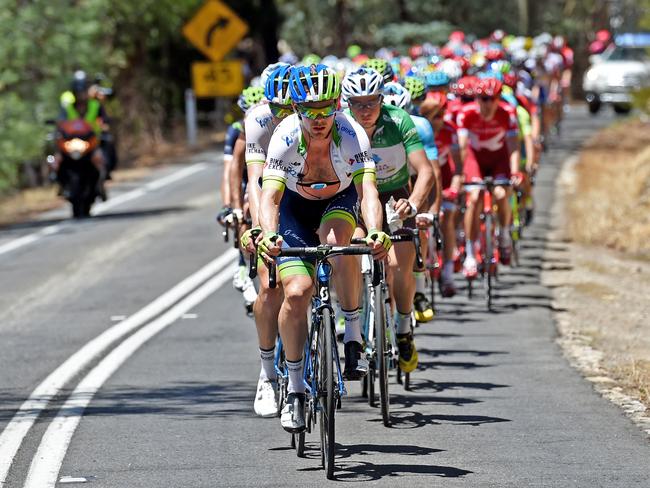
<point>233,155</point>
<point>397,95</point>
<point>433,108</point>
<point>395,143</point>
<point>489,146</point>
<point>321,157</point>
<point>259,125</point>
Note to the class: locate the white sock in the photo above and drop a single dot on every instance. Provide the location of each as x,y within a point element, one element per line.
<point>352,326</point>
<point>469,248</point>
<point>296,383</point>
<point>268,364</point>
<point>403,323</point>
<point>420,282</point>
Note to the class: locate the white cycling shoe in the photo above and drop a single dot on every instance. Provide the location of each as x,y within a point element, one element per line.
<point>266,403</point>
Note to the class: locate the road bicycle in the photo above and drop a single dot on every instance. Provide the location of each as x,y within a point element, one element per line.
<point>488,254</point>
<point>322,372</point>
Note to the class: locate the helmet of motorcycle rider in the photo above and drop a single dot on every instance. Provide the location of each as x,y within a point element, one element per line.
<point>80,83</point>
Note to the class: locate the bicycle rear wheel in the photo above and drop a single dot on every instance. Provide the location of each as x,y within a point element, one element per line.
<point>381,355</point>
<point>327,394</point>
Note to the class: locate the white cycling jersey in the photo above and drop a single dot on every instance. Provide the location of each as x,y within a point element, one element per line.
<point>259,125</point>
<point>349,154</point>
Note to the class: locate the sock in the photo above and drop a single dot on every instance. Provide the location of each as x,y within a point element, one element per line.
<point>420,282</point>
<point>448,270</point>
<point>268,364</point>
<point>296,384</point>
<point>352,326</point>
<point>403,323</point>
<point>469,248</point>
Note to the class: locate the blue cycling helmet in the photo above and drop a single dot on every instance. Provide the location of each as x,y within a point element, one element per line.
<point>314,83</point>
<point>436,79</point>
<point>276,89</point>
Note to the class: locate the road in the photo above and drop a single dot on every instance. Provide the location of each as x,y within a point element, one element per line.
<point>160,391</point>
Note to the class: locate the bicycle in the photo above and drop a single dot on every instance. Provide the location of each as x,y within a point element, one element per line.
<point>406,235</point>
<point>489,251</point>
<point>322,373</point>
<point>379,333</point>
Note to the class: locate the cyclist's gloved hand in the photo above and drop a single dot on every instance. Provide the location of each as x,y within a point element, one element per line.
<point>450,194</point>
<point>247,239</point>
<point>269,244</point>
<point>223,214</point>
<point>380,243</point>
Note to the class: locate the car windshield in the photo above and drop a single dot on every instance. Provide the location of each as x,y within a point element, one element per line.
<point>628,54</point>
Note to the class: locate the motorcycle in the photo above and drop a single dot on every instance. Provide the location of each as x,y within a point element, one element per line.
<point>77,175</point>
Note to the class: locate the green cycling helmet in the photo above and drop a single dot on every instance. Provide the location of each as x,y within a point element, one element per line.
<point>250,96</point>
<point>415,86</point>
<point>382,67</point>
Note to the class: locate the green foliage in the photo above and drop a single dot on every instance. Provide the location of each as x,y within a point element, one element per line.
<point>137,44</point>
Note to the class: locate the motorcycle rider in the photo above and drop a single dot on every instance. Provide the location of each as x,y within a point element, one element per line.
<point>76,103</point>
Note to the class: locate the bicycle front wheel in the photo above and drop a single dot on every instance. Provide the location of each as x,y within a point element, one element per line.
<point>382,355</point>
<point>327,394</point>
<point>489,262</point>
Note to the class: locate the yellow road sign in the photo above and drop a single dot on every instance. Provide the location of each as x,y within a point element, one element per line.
<point>215,29</point>
<point>222,79</point>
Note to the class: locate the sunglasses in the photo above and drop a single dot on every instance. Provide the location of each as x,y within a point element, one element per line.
<point>316,113</point>
<point>280,111</point>
<point>364,106</point>
<point>487,99</point>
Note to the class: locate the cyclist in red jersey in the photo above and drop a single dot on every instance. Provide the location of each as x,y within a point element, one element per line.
<point>433,108</point>
<point>489,146</point>
<point>463,92</point>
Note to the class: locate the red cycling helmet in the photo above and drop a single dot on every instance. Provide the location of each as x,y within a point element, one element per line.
<point>494,54</point>
<point>464,63</point>
<point>489,86</point>
<point>464,87</point>
<point>457,36</point>
<point>510,79</point>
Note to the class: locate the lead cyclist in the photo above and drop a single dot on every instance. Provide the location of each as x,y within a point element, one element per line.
<point>317,169</point>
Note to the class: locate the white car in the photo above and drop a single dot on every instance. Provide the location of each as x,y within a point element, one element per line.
<point>614,75</point>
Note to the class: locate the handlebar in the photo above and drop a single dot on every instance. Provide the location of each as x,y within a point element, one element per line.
<point>407,236</point>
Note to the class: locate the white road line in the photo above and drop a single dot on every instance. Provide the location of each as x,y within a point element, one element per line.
<point>104,206</point>
<point>14,433</point>
<point>45,466</point>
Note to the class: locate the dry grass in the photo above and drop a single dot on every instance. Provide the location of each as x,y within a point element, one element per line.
<point>21,206</point>
<point>611,204</point>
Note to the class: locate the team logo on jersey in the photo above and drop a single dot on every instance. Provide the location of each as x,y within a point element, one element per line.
<point>253,148</point>
<point>263,121</point>
<point>278,165</point>
<point>360,158</point>
<point>345,129</point>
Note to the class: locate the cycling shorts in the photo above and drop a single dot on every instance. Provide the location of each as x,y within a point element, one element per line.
<point>496,165</point>
<point>300,220</point>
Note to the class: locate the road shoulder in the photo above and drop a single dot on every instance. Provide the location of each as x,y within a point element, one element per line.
<point>602,310</point>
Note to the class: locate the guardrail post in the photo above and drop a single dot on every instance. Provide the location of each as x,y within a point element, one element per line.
<point>190,117</point>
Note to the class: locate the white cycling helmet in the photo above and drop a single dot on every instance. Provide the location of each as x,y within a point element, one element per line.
<point>451,68</point>
<point>396,94</point>
<point>361,83</point>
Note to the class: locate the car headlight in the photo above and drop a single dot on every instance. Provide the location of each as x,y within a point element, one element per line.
<point>591,75</point>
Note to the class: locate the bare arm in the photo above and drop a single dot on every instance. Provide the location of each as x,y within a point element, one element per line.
<point>269,209</point>
<point>370,205</point>
<point>437,176</point>
<point>513,146</point>
<point>424,179</point>
<point>235,173</point>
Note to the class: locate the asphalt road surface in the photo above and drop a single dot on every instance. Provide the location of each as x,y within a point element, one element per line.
<point>159,392</point>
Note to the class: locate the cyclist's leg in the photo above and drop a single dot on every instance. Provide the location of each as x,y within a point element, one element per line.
<point>448,230</point>
<point>473,172</point>
<point>336,228</point>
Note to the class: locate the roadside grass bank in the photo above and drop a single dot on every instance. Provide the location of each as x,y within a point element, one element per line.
<point>602,233</point>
